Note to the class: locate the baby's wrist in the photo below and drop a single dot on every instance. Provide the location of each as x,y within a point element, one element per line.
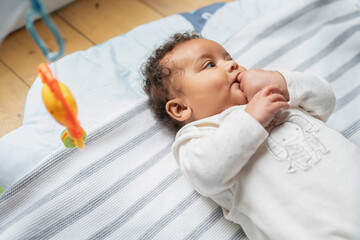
<point>283,85</point>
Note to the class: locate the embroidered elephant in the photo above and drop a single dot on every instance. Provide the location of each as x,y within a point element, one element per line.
<point>294,141</point>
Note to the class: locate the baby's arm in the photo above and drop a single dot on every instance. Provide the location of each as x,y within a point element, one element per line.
<point>211,153</point>
<point>311,93</point>
<point>305,91</point>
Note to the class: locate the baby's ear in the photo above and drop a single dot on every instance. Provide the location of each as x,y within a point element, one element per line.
<point>178,110</point>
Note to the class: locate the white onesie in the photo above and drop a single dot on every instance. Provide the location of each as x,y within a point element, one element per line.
<point>297,179</point>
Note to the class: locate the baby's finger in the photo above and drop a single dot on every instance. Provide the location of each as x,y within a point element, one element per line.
<point>278,106</point>
<point>276,97</point>
<point>270,89</point>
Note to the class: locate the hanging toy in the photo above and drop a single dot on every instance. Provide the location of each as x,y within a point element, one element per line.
<point>61,105</point>
<point>56,96</point>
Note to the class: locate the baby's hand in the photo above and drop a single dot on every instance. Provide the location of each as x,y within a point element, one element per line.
<point>252,81</point>
<point>265,104</point>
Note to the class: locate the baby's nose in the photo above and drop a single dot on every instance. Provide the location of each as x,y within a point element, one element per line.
<point>231,65</point>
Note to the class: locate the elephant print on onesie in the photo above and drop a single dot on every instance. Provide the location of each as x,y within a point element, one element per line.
<point>294,141</point>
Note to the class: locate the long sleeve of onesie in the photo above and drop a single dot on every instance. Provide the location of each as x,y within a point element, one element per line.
<point>310,93</point>
<point>212,151</point>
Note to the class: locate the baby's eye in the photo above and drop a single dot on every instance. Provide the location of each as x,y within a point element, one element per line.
<point>209,65</point>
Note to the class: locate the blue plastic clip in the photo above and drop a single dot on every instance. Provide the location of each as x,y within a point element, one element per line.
<point>37,9</point>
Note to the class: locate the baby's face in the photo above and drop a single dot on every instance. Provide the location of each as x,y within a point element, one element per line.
<point>209,81</point>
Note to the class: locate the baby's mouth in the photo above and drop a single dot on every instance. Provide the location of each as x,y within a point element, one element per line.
<point>238,80</point>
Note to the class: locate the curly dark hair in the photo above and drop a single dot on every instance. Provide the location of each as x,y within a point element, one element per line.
<point>157,78</point>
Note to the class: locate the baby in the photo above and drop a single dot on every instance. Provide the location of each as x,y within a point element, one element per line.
<point>255,141</point>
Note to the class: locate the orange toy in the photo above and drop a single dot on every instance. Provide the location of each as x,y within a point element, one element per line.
<point>61,105</point>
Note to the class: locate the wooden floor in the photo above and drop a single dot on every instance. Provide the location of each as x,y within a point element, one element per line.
<point>83,23</point>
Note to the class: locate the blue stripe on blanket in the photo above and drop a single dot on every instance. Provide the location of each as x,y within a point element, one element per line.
<point>175,212</point>
<point>240,234</point>
<point>332,46</point>
<point>136,207</point>
<point>350,96</point>
<point>341,70</point>
<point>213,218</point>
<point>351,129</point>
<point>299,40</point>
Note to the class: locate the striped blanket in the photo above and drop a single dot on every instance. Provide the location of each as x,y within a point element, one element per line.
<point>126,185</point>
